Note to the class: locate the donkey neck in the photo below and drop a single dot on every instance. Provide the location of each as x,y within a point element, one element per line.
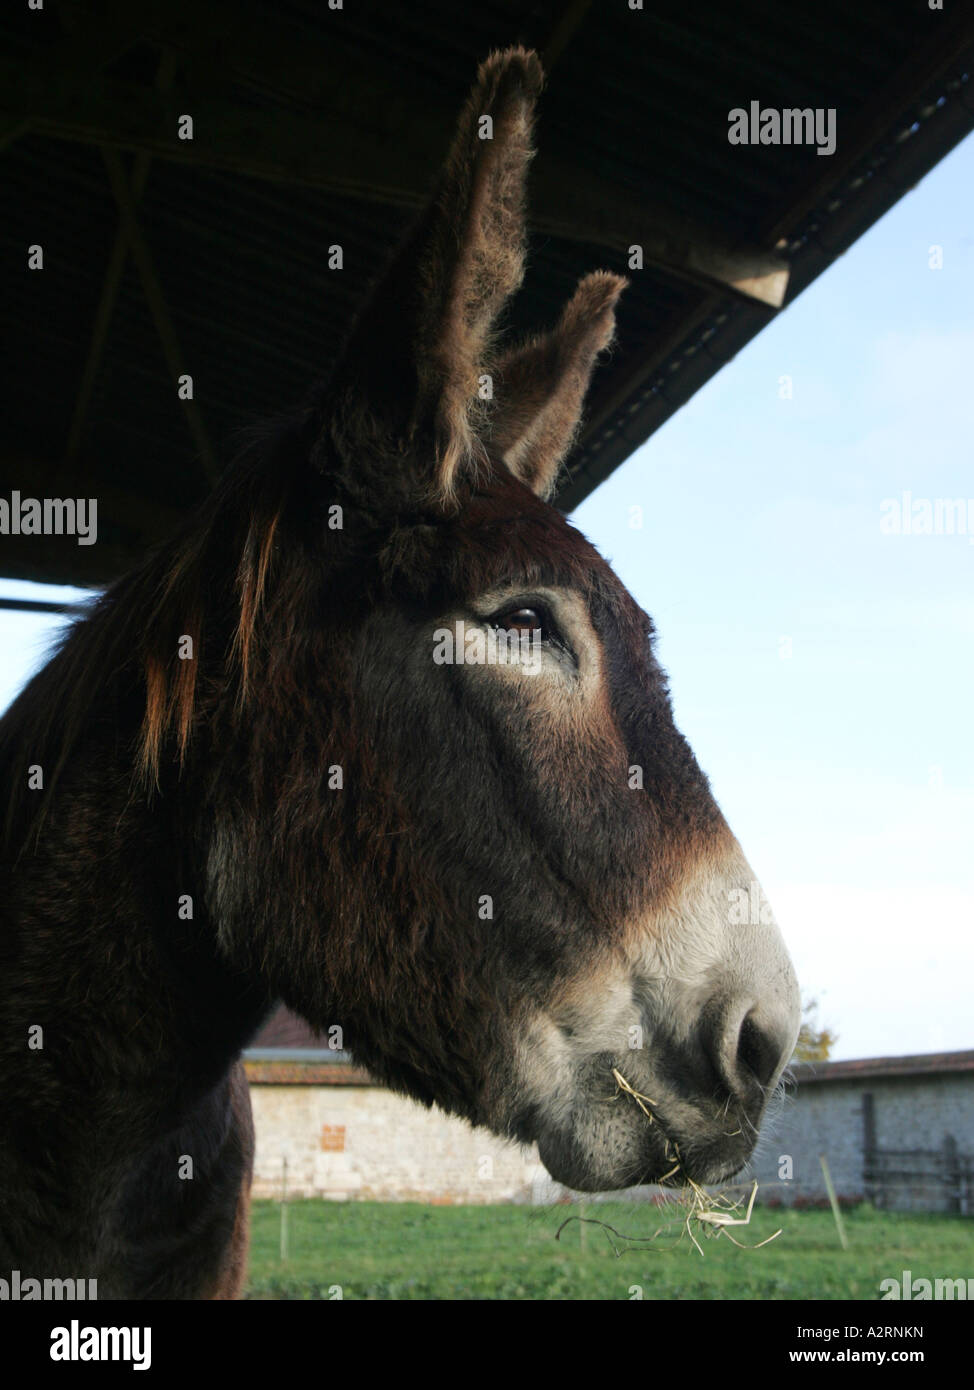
<point>115,958</point>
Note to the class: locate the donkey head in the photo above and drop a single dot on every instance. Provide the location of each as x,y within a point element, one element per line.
<point>519,880</point>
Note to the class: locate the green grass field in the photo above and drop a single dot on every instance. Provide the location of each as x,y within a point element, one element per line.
<point>376,1250</point>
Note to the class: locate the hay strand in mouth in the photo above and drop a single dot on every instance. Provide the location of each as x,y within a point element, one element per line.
<point>641,1100</point>
<point>713,1212</point>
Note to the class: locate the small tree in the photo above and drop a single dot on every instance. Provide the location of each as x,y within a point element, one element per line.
<point>814,1044</point>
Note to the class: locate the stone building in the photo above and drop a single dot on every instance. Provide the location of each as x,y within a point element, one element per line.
<point>345,1136</point>
<point>896,1130</point>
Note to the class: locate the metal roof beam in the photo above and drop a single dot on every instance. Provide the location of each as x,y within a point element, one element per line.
<point>953,36</point>
<point>563,31</point>
<point>37,605</point>
<point>156,301</point>
<point>88,50</point>
<point>110,286</point>
<point>288,148</point>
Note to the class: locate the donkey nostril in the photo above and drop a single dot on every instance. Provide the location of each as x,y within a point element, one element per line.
<point>759,1051</point>
<point>747,1044</point>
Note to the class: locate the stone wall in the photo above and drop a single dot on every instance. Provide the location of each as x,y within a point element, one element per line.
<point>362,1141</point>
<point>367,1142</point>
<point>910,1113</point>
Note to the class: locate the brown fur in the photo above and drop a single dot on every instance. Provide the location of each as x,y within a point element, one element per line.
<point>213,781</point>
<point>549,376</point>
<point>233,1275</point>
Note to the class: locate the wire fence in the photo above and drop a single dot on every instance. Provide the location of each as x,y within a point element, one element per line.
<point>921,1179</point>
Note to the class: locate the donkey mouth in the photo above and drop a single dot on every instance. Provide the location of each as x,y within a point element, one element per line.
<point>608,1166</point>
<point>625,1143</point>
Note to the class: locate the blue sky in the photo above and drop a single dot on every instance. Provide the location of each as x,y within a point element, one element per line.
<point>846,768</point>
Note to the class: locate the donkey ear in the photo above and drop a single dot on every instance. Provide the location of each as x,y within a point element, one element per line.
<point>410,371</point>
<point>539,386</point>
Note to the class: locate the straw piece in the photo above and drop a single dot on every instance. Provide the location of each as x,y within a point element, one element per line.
<point>713,1212</point>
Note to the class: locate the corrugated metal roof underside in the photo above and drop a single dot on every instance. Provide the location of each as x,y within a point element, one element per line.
<point>636,98</point>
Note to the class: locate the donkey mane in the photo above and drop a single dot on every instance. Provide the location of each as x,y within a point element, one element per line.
<point>120,655</point>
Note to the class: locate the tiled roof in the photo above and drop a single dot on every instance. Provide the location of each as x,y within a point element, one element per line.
<point>875,1068</point>
<point>284,1029</point>
<point>289,1036</point>
<point>340,1072</point>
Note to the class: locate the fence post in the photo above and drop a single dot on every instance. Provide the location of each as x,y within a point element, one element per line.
<point>834,1202</point>
<point>952,1175</point>
<point>870,1174</point>
<point>284,1212</point>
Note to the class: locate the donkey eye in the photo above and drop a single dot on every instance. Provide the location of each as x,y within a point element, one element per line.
<point>526,619</point>
<point>522,619</point>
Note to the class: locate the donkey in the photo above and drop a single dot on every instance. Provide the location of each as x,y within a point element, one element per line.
<point>243,777</point>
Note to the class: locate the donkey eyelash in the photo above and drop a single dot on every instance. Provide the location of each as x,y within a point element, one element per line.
<point>551,634</point>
